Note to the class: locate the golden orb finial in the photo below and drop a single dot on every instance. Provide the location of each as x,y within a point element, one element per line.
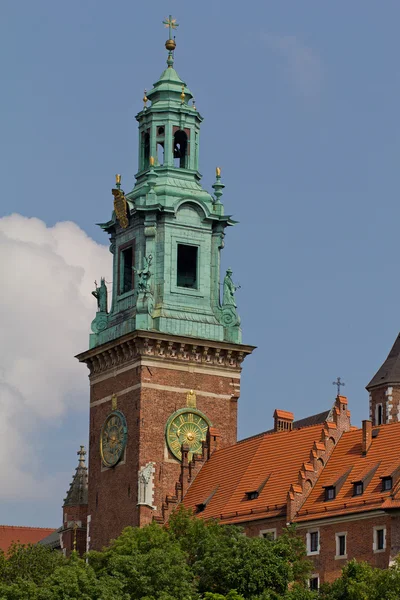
<point>145,98</point>
<point>170,45</point>
<point>183,94</point>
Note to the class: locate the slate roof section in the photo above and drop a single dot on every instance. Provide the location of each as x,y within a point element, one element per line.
<point>78,490</point>
<point>347,455</point>
<point>389,373</point>
<point>246,466</point>
<point>23,535</point>
<point>52,540</point>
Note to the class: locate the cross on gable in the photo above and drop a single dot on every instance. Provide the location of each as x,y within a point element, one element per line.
<point>339,384</point>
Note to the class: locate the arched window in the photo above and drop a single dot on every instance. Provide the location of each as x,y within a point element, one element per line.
<point>180,148</point>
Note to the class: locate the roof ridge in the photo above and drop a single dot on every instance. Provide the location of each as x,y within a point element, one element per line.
<point>271,431</point>
<point>28,527</point>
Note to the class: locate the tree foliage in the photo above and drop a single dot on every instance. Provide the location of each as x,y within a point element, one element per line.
<point>188,559</point>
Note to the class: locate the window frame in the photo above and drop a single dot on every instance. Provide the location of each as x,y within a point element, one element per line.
<point>389,480</point>
<point>339,535</point>
<point>358,484</point>
<point>197,253</point>
<point>327,490</point>
<point>311,552</point>
<point>314,577</point>
<point>262,534</point>
<point>375,547</point>
<point>121,249</point>
<point>174,289</point>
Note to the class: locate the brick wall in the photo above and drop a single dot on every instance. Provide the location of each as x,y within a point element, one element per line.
<point>149,388</point>
<point>389,398</point>
<point>359,544</point>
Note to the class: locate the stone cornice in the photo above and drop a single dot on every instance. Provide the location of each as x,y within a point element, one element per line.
<point>164,347</point>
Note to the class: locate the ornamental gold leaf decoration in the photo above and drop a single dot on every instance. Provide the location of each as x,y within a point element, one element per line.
<point>121,208</point>
<point>191,399</point>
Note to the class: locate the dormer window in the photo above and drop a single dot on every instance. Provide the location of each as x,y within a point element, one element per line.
<point>358,488</point>
<point>330,492</point>
<point>252,495</point>
<point>387,484</point>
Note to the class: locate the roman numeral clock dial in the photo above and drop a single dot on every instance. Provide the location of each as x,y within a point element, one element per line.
<point>186,426</point>
<point>113,438</point>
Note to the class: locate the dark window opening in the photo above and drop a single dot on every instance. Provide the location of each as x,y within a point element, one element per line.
<point>379,415</point>
<point>380,539</point>
<point>160,153</point>
<point>126,271</point>
<point>330,493</point>
<point>358,489</point>
<point>252,495</point>
<point>314,581</point>
<point>187,266</point>
<point>200,507</point>
<point>269,535</point>
<point>129,491</point>
<point>180,148</point>
<point>160,130</point>
<point>314,541</point>
<point>387,484</point>
<point>342,545</point>
<point>146,150</point>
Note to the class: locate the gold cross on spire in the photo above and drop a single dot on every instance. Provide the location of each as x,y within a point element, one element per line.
<point>171,24</point>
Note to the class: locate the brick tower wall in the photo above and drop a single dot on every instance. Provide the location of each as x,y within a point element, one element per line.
<point>389,398</point>
<point>150,385</point>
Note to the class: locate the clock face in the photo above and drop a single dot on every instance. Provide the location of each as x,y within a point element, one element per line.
<point>113,438</point>
<point>186,426</point>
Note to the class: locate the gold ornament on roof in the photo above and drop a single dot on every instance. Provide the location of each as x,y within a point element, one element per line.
<point>171,24</point>
<point>114,402</point>
<point>183,94</point>
<point>145,99</point>
<point>191,399</point>
<point>151,160</point>
<point>218,171</point>
<point>120,207</point>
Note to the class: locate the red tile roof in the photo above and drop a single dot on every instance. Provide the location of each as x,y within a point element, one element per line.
<point>267,463</point>
<point>348,457</point>
<point>24,535</point>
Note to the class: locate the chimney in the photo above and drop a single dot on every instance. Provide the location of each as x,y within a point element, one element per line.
<point>283,420</point>
<point>366,436</point>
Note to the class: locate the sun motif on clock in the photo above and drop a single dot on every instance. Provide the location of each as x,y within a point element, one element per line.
<point>186,426</point>
<point>113,438</point>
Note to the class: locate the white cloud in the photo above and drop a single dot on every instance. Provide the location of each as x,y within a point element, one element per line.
<point>303,66</point>
<point>46,307</point>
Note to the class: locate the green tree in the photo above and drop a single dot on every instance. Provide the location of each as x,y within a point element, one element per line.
<point>149,563</point>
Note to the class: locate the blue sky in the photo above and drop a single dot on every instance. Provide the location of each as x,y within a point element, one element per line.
<point>300,101</point>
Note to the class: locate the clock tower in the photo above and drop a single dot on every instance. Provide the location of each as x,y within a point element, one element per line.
<point>165,357</point>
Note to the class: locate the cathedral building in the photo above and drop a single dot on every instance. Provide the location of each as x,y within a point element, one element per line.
<point>165,360</point>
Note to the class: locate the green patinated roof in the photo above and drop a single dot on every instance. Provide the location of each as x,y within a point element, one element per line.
<point>168,82</point>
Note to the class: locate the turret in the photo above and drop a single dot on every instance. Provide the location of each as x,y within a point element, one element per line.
<point>73,535</point>
<point>384,389</point>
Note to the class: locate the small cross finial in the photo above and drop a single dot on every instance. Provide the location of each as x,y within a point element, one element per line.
<point>339,384</point>
<point>171,24</point>
<point>170,44</point>
<point>81,453</point>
